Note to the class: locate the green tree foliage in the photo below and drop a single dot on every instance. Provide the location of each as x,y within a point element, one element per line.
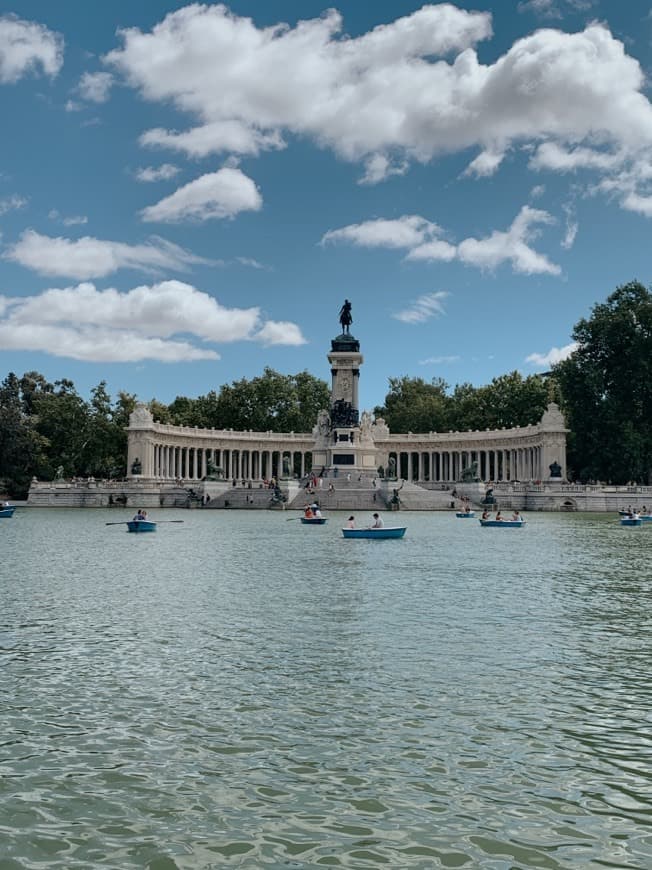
<point>271,402</point>
<point>512,400</point>
<point>606,390</point>
<point>104,451</point>
<point>412,405</point>
<point>21,447</point>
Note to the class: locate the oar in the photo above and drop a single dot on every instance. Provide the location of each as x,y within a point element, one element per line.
<point>292,518</point>
<point>158,522</point>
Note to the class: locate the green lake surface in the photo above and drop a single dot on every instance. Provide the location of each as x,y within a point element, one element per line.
<point>241,690</point>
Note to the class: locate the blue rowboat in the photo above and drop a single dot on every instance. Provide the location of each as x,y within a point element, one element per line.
<point>313,521</point>
<point>141,526</point>
<point>631,521</point>
<point>646,518</point>
<point>508,524</point>
<point>391,532</point>
<point>463,515</point>
<point>7,511</point>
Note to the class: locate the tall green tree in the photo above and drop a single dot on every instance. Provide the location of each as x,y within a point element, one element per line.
<point>62,418</point>
<point>270,402</point>
<point>512,400</point>
<point>606,389</point>
<point>21,448</point>
<point>413,405</point>
<point>104,449</point>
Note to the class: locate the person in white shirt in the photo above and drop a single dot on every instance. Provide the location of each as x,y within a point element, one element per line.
<point>378,522</point>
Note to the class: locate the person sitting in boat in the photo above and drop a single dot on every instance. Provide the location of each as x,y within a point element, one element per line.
<point>516,517</point>
<point>316,511</point>
<point>350,523</point>
<point>308,514</point>
<point>377,522</point>
<point>485,515</point>
<point>499,517</point>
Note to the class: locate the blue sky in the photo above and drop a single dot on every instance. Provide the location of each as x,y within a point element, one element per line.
<point>188,193</point>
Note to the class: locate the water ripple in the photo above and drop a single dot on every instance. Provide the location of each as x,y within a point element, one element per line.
<point>240,691</point>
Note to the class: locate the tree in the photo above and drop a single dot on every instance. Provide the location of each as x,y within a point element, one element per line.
<point>21,448</point>
<point>512,400</point>
<point>271,402</point>
<point>412,405</point>
<point>61,417</point>
<point>606,389</point>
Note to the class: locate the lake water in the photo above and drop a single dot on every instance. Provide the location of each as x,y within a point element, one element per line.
<point>240,690</point>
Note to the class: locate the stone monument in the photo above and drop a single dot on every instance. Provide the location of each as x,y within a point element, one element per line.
<point>343,441</point>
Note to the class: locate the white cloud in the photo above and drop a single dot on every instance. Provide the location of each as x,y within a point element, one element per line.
<point>70,221</point>
<point>636,202</point>
<point>551,155</point>
<point>571,227</point>
<point>439,360</point>
<point>157,173</point>
<point>426,306</point>
<point>89,344</point>
<point>280,332</point>
<point>12,203</point>
<point>511,246</point>
<point>486,163</point>
<point>554,355</point>
<point>26,46</point>
<point>95,258</point>
<point>95,87</point>
<point>149,322</point>
<point>378,167</point>
<point>417,235</point>
<point>221,194</point>
<point>434,250</point>
<point>406,91</point>
<point>404,232</point>
<point>214,138</point>
<point>554,8</point>
<point>251,263</point>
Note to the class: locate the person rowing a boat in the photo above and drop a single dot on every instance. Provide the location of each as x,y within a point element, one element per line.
<point>378,522</point>
<point>308,514</point>
<point>140,515</point>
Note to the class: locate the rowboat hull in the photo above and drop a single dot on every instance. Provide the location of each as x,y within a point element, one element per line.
<point>313,521</point>
<point>376,534</point>
<point>7,511</point>
<point>503,524</point>
<point>631,521</point>
<point>465,515</point>
<point>141,526</point>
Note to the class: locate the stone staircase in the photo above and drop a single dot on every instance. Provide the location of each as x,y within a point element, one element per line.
<point>366,493</point>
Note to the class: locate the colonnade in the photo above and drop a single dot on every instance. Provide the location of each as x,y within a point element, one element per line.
<point>446,466</point>
<point>164,453</point>
<point>175,462</point>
